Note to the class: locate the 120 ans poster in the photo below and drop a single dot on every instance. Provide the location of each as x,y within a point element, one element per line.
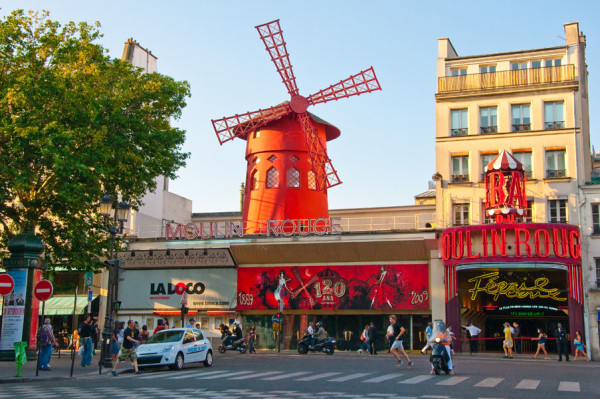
<point>388,287</point>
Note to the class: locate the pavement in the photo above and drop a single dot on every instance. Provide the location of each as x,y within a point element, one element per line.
<point>61,365</point>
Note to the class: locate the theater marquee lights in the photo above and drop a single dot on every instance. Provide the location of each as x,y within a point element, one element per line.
<point>490,284</point>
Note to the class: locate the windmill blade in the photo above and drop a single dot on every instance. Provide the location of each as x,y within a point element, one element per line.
<point>321,164</point>
<point>239,125</point>
<point>363,82</point>
<point>271,35</point>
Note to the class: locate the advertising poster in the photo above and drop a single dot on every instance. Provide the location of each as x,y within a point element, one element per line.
<point>13,312</point>
<point>387,287</point>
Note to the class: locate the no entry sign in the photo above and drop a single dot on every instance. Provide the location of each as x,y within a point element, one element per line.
<point>43,290</point>
<point>6,284</point>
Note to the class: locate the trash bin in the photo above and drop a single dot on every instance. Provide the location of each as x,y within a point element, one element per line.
<point>20,355</point>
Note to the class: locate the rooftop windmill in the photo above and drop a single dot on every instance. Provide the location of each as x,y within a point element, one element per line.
<point>288,170</point>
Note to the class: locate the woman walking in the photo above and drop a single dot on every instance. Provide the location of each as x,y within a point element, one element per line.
<point>541,344</point>
<point>251,338</point>
<point>364,337</point>
<point>579,346</point>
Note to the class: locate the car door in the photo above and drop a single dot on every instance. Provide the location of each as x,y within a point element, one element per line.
<point>190,349</point>
<point>202,345</point>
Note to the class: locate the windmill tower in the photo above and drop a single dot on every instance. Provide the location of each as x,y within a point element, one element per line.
<point>288,170</point>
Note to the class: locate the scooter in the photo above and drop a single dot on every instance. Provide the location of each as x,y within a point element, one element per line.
<point>439,358</point>
<point>327,345</point>
<point>239,345</point>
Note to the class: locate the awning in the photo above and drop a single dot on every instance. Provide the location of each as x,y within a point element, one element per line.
<point>172,313</point>
<point>63,305</point>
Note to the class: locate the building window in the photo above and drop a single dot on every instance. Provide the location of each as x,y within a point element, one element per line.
<point>293,178</point>
<point>555,164</point>
<point>256,133</point>
<point>312,180</point>
<point>460,168</point>
<point>553,115</point>
<point>272,158</point>
<point>597,273</point>
<point>551,63</point>
<point>518,65</point>
<point>536,64</point>
<point>254,180</point>
<point>488,119</point>
<point>487,68</point>
<point>485,161</point>
<point>459,119</point>
<point>272,178</point>
<point>458,71</point>
<point>525,158</point>
<point>595,218</point>
<point>558,211</point>
<point>520,118</point>
<point>528,216</point>
<point>487,219</point>
<point>294,158</point>
<point>461,214</point>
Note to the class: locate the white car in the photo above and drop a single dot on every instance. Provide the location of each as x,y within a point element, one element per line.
<point>174,347</point>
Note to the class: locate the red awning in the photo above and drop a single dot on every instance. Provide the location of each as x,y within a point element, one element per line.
<point>171,313</point>
<point>220,312</point>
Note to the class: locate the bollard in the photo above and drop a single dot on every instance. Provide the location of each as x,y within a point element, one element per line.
<point>20,356</point>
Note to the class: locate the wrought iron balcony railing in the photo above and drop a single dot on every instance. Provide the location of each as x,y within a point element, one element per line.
<point>554,125</point>
<point>521,127</point>
<point>459,132</point>
<point>460,178</point>
<point>503,79</point>
<point>556,173</point>
<point>488,129</point>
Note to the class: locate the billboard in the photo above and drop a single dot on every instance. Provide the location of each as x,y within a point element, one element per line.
<point>377,287</point>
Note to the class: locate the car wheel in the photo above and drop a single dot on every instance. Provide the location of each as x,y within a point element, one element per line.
<point>209,359</point>
<point>178,365</point>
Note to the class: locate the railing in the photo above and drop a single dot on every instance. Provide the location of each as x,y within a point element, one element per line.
<point>521,127</point>
<point>501,79</point>
<point>459,132</point>
<point>554,125</point>
<point>556,173</point>
<point>488,129</point>
<point>460,178</point>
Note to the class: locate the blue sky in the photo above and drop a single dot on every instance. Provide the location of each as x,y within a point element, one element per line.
<point>385,155</point>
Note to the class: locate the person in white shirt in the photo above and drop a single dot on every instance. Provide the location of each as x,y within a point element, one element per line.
<point>311,332</point>
<point>473,333</point>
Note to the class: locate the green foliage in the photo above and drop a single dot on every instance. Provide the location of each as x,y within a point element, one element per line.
<point>75,124</point>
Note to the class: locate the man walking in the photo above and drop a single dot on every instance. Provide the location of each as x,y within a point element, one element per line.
<point>397,348</point>
<point>85,333</point>
<point>562,343</point>
<point>372,339</point>
<point>517,337</point>
<point>130,338</point>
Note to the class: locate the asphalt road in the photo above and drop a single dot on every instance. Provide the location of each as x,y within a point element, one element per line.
<point>343,375</point>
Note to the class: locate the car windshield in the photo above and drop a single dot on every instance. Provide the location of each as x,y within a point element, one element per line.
<point>165,336</point>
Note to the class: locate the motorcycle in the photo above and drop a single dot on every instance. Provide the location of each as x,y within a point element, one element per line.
<point>439,357</point>
<point>239,345</point>
<point>327,345</point>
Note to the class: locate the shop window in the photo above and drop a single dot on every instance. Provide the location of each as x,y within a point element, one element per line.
<point>555,164</point>
<point>461,214</point>
<point>460,168</point>
<point>312,180</point>
<point>272,178</point>
<point>293,178</point>
<point>558,211</point>
<point>459,120</point>
<point>595,218</point>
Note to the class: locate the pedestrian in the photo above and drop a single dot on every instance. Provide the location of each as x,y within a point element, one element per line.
<point>397,349</point>
<point>372,339</point>
<point>579,346</point>
<point>541,344</point>
<point>144,334</point>
<point>190,323</point>
<point>517,337</point>
<point>389,337</point>
<point>507,344</point>
<point>165,324</point>
<point>85,333</point>
<point>428,335</point>
<point>197,326</point>
<point>364,338</point>
<point>251,338</point>
<point>46,341</point>
<point>159,326</point>
<point>561,342</point>
<point>115,346</point>
<point>95,334</point>
<point>452,338</point>
<point>131,335</point>
<point>473,331</point>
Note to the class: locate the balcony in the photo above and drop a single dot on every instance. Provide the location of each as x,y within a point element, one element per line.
<point>460,178</point>
<point>506,79</point>
<point>554,125</point>
<point>488,129</point>
<point>459,132</point>
<point>556,173</point>
<point>521,127</point>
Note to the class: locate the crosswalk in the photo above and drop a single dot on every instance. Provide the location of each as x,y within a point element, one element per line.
<point>526,384</point>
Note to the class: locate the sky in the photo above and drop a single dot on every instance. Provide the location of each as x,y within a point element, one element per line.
<point>386,152</point>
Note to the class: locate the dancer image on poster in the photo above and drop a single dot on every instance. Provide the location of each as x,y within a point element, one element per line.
<point>282,283</point>
<point>379,289</point>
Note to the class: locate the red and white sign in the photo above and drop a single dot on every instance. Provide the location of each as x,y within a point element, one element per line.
<point>6,284</point>
<point>184,299</point>
<point>43,290</point>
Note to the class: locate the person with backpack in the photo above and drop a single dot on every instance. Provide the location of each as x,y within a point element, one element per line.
<point>47,342</point>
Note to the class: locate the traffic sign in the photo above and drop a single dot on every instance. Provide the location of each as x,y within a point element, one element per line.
<point>276,319</point>
<point>90,294</point>
<point>43,290</point>
<point>6,284</point>
<point>184,298</point>
<point>89,279</point>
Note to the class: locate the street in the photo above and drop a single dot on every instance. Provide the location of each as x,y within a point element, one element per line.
<point>343,375</point>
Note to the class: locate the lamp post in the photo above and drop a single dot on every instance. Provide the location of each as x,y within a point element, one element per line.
<point>114,225</point>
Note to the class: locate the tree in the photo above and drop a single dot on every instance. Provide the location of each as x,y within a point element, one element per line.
<point>75,124</point>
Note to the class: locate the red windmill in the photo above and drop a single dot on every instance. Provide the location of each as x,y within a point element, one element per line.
<point>288,170</point>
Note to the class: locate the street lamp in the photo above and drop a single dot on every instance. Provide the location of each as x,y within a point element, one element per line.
<point>114,224</point>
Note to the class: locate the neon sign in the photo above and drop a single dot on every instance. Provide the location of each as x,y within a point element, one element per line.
<point>487,283</point>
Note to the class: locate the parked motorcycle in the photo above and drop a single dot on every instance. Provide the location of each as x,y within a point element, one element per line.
<point>326,346</point>
<point>439,357</point>
<point>240,345</point>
